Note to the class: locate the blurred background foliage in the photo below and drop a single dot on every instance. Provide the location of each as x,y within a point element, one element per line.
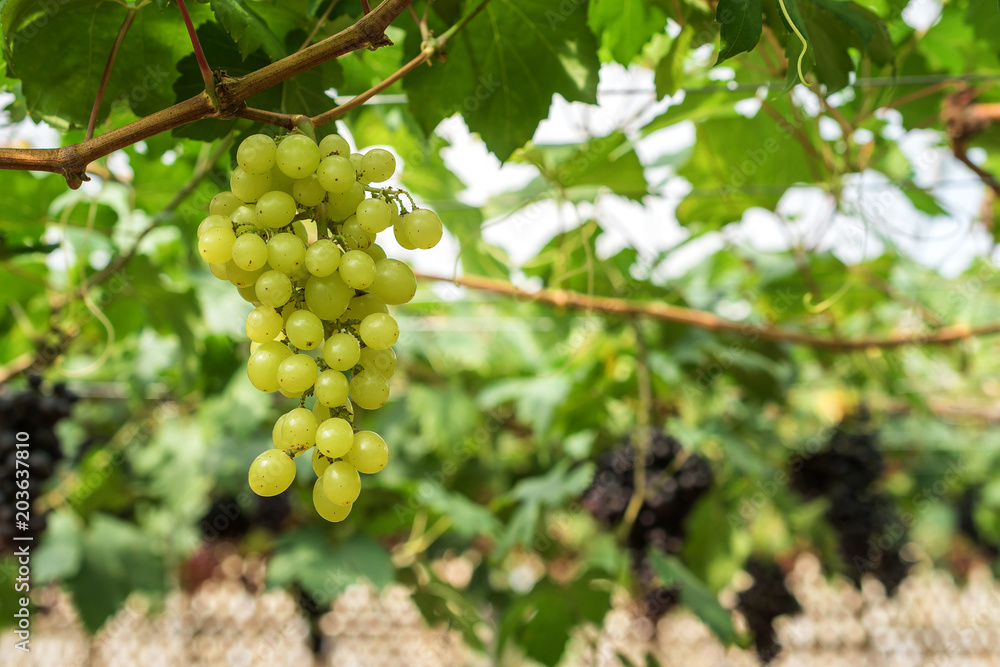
<point>861,207</point>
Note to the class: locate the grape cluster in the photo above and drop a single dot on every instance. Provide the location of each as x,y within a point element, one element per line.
<point>296,236</point>
<point>36,413</point>
<point>671,492</point>
<point>845,472</point>
<point>765,600</point>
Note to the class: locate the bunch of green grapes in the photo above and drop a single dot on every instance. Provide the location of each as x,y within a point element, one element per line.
<point>296,236</point>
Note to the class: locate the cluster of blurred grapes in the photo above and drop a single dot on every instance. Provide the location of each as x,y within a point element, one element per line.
<point>36,413</point>
<point>846,472</point>
<point>672,489</point>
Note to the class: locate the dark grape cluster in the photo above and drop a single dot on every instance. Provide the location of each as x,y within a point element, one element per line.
<point>966,509</point>
<point>765,600</point>
<point>671,492</point>
<point>226,518</point>
<point>35,412</point>
<point>845,472</point>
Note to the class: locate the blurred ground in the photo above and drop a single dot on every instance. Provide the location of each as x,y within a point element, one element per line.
<point>930,622</point>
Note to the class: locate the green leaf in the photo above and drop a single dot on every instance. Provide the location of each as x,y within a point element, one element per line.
<point>503,70</point>
<point>541,621</point>
<point>624,26</point>
<point>555,486</point>
<point>924,201</point>
<point>741,27</point>
<point>247,28</point>
<point>61,550</point>
<point>62,90</point>
<point>857,18</point>
<point>118,559</point>
<point>739,163</point>
<point>669,76</point>
<point>695,596</point>
<point>306,558</point>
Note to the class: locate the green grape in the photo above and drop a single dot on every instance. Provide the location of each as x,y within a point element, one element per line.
<point>289,394</point>
<point>331,388</point>
<point>328,296</point>
<point>280,182</point>
<point>297,156</point>
<point>380,361</point>
<point>263,324</point>
<point>287,310</point>
<point>219,271</point>
<point>379,331</point>
<point>323,258</point>
<point>356,159</point>
<point>298,431</point>
<point>375,252</point>
<point>216,245</point>
<point>377,165</point>
<point>273,288</point>
<point>334,438</point>
<point>244,215</point>
<point>249,252</point>
<point>256,154</point>
<point>271,473</point>
<point>300,276</point>
<point>369,390</point>
<point>214,221</point>
<point>276,432</point>
<point>241,277</point>
<point>341,483</point>
<point>334,144</point>
<point>321,411</point>
<point>223,204</point>
<point>343,206</point>
<point>262,368</point>
<point>249,187</point>
<point>357,269</point>
<point>394,282</point>
<point>304,330</point>
<point>355,237</point>
<point>319,462</point>
<point>249,295</point>
<point>307,191</point>
<point>326,509</point>
<point>374,215</point>
<point>423,228</point>
<point>275,209</point>
<point>300,231</point>
<point>402,238</point>
<point>297,373</point>
<point>336,175</point>
<point>341,351</point>
<point>362,306</point>
<point>285,252</point>
<point>369,453</point>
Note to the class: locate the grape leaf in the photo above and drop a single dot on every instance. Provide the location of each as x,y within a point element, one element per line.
<point>695,595</point>
<point>741,27</point>
<point>62,90</point>
<point>503,70</point>
<point>624,26</point>
<point>307,558</point>
<point>669,76</point>
<point>117,560</point>
<point>542,620</point>
<point>247,28</point>
<point>739,163</point>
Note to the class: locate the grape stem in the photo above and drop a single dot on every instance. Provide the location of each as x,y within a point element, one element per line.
<point>206,71</point>
<point>119,38</point>
<point>711,322</point>
<point>231,92</point>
